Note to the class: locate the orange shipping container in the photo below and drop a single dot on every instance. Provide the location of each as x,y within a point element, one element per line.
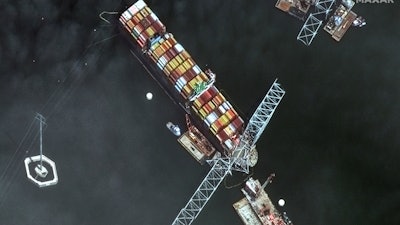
<point>231,114</point>
<point>218,99</point>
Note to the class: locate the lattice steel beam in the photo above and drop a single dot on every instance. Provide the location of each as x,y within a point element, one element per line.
<point>204,192</point>
<point>309,30</point>
<point>260,119</point>
<point>312,24</point>
<point>238,161</point>
<point>256,126</point>
<point>323,7</point>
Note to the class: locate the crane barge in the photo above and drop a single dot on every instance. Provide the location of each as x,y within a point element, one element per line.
<point>256,208</point>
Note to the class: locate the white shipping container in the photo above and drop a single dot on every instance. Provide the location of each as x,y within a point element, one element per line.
<point>133,10</point>
<point>181,82</point>
<point>211,118</point>
<point>229,144</point>
<point>222,109</point>
<point>140,4</point>
<point>127,16</point>
<point>154,16</point>
<point>226,105</point>
<point>162,61</point>
<point>179,48</point>
<point>197,69</point>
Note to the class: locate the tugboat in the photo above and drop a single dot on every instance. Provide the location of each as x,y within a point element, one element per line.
<point>174,129</point>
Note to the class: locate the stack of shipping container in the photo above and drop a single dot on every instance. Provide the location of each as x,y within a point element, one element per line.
<point>183,73</point>
<point>141,22</point>
<point>219,116</point>
<point>177,64</point>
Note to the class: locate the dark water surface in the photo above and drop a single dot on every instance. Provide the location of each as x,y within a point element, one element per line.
<point>333,142</point>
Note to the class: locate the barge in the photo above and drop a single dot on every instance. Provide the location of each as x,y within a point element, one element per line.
<point>256,207</point>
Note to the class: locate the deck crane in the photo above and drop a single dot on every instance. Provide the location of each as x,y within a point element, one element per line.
<point>240,160</point>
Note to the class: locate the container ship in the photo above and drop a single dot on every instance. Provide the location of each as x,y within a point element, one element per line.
<point>214,124</point>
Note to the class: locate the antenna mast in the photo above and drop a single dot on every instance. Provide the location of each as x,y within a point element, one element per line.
<point>41,121</point>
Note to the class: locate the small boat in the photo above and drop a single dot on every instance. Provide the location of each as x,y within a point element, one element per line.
<point>174,129</point>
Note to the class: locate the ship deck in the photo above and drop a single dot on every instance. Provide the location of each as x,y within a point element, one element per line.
<point>293,7</point>
<point>190,147</point>
<point>246,213</point>
<point>198,148</point>
<point>259,207</point>
<point>337,32</point>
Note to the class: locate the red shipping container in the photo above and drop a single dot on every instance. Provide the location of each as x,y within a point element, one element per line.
<point>159,27</point>
<point>238,123</point>
<point>189,75</point>
<point>213,90</point>
<point>145,23</point>
<point>138,28</point>
<point>170,54</point>
<point>206,96</point>
<point>222,136</point>
<point>151,18</point>
<point>218,99</point>
<point>174,76</point>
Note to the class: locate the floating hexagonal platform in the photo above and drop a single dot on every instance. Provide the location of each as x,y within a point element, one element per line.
<point>37,170</point>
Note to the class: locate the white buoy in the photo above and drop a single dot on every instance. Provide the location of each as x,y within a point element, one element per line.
<point>281,202</point>
<point>149,96</point>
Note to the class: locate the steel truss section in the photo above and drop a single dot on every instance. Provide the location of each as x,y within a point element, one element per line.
<point>309,30</point>
<point>237,161</point>
<point>241,156</point>
<point>204,192</point>
<point>261,117</point>
<point>312,24</point>
<point>323,7</point>
<point>256,126</point>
